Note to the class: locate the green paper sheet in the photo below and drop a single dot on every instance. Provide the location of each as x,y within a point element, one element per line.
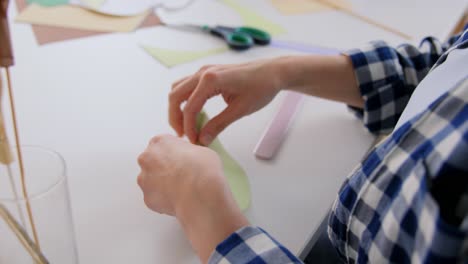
<point>171,58</point>
<point>235,174</point>
<point>250,18</point>
<point>48,2</point>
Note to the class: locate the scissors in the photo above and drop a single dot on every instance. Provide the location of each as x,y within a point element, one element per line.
<point>237,38</point>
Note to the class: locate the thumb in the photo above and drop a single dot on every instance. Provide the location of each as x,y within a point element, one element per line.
<point>218,123</point>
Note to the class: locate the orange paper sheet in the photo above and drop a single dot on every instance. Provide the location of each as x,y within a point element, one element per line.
<point>51,34</point>
<point>78,18</point>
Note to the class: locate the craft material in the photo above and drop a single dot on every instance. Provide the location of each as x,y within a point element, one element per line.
<point>7,60</point>
<point>48,2</point>
<point>22,236</point>
<point>171,58</point>
<point>20,158</point>
<point>129,7</point>
<point>251,19</point>
<point>235,174</point>
<point>93,3</point>
<point>277,129</point>
<point>300,47</point>
<point>296,7</point>
<point>78,18</point>
<point>51,34</point>
<point>351,12</point>
<point>237,38</point>
<point>6,156</point>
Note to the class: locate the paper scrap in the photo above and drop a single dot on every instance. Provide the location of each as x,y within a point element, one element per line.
<point>171,58</point>
<point>294,7</point>
<point>48,2</point>
<point>251,18</point>
<point>78,18</point>
<point>235,174</point>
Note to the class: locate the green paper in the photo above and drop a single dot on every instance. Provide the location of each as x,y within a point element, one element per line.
<point>252,19</point>
<point>235,174</point>
<point>48,2</point>
<point>171,58</point>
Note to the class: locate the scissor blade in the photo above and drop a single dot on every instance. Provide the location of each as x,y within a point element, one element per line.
<point>187,27</point>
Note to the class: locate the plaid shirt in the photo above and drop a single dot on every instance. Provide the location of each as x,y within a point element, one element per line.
<point>408,200</point>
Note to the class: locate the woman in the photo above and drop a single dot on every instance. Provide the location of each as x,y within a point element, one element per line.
<point>406,203</point>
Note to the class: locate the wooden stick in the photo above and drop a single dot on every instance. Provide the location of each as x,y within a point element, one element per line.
<point>20,160</point>
<point>15,194</point>
<point>22,236</point>
<point>368,20</point>
<point>6,156</point>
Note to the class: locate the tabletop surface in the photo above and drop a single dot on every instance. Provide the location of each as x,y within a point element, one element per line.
<point>99,100</point>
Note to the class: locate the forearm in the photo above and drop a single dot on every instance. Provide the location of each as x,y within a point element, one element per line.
<point>329,77</point>
<point>207,224</point>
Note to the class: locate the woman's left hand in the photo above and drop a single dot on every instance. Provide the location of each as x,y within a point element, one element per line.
<point>186,181</point>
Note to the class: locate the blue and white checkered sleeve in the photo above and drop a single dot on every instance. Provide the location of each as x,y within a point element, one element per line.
<point>251,245</point>
<point>388,76</point>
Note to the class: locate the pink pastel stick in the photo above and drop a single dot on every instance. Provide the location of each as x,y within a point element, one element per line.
<point>277,129</point>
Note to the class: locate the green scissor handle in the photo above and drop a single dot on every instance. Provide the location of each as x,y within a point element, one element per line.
<point>240,38</point>
<point>259,36</point>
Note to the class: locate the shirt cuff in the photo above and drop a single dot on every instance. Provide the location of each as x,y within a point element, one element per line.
<point>251,245</point>
<point>379,77</point>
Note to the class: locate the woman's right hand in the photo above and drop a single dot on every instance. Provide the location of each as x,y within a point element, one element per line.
<point>245,88</point>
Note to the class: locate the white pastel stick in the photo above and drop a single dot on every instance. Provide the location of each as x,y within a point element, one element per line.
<point>277,129</point>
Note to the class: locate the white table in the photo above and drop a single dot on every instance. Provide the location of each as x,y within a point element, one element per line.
<point>99,100</point>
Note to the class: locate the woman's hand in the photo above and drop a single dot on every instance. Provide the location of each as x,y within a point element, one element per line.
<point>186,181</point>
<point>248,87</point>
<point>245,88</point>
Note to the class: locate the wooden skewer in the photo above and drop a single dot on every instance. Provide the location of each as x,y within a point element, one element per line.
<point>22,236</point>
<point>15,194</point>
<point>20,160</point>
<point>368,20</point>
<point>6,156</point>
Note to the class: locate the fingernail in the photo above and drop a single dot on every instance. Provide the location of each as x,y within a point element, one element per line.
<point>206,139</point>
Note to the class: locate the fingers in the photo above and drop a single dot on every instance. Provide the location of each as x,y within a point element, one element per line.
<point>218,123</point>
<point>180,92</point>
<point>177,96</point>
<point>176,83</point>
<point>204,91</point>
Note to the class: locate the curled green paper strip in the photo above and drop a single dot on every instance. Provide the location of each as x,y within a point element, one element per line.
<point>235,174</point>
<point>48,2</point>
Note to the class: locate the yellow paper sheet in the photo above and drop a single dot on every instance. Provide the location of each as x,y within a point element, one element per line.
<point>235,174</point>
<point>78,18</point>
<point>294,7</point>
<point>171,58</point>
<point>251,18</point>
<point>93,3</point>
